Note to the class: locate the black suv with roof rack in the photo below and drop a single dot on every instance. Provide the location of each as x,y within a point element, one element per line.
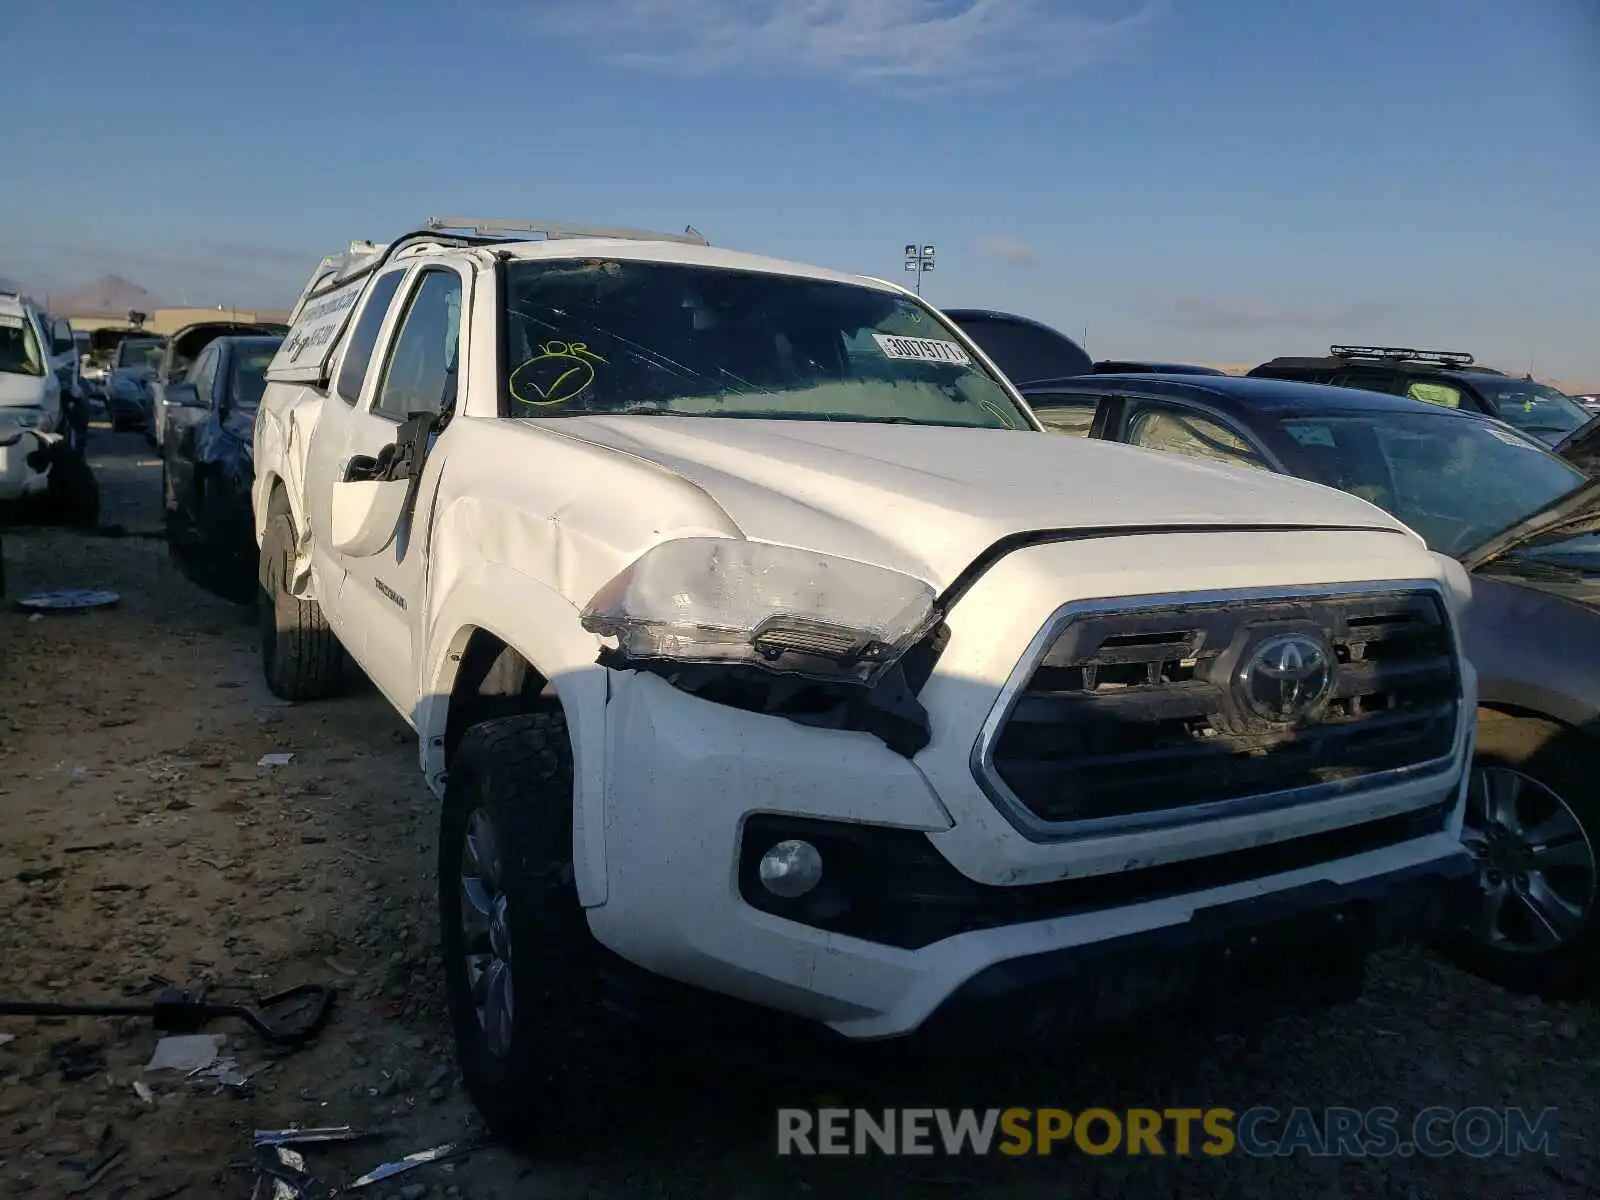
<point>1445,377</point>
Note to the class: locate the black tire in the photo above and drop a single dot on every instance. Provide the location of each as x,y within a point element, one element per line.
<point>301,658</point>
<point>1567,762</point>
<point>72,493</point>
<point>561,1076</point>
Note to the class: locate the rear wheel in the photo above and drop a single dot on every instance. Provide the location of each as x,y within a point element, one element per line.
<point>301,658</point>
<point>1533,823</point>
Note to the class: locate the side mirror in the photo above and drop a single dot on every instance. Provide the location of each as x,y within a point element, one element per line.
<point>366,512</point>
<point>183,395</point>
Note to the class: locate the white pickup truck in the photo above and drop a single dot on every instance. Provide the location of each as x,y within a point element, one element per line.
<point>767,659</point>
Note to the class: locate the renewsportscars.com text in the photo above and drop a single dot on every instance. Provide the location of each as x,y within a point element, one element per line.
<point>1260,1132</point>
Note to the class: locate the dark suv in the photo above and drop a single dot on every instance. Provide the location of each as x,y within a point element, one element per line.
<point>1441,377</point>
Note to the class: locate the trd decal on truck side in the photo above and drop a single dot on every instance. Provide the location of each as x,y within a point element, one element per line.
<point>390,592</point>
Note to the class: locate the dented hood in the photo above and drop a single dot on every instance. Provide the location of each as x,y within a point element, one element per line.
<point>928,500</point>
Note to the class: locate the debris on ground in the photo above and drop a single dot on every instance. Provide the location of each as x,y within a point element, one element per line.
<point>435,1154</point>
<point>67,600</point>
<point>277,759</point>
<point>188,1053</point>
<point>75,1060</point>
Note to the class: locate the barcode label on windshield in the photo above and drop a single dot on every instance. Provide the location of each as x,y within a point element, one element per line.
<point>7,321</point>
<point>916,349</point>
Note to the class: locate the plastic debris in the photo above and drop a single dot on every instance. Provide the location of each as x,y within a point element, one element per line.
<point>7,1038</point>
<point>144,1091</point>
<point>411,1162</point>
<point>282,759</point>
<point>305,1137</point>
<point>68,600</point>
<point>189,1053</point>
<point>281,1175</point>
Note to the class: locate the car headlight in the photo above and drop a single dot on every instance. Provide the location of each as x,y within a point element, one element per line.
<point>795,612</point>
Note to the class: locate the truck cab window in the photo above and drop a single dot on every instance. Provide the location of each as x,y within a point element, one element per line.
<point>420,373</point>
<point>364,337</point>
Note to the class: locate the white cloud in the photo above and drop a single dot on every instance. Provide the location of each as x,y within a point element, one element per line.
<point>1008,250</point>
<point>920,43</point>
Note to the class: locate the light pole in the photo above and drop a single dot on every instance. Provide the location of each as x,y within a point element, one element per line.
<point>919,259</point>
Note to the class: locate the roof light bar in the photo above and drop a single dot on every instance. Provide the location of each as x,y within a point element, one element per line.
<point>1443,358</point>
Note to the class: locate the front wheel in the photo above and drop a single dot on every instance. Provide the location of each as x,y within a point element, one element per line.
<point>1533,822</point>
<point>520,963</point>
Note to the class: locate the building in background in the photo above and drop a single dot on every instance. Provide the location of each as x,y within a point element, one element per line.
<point>170,320</point>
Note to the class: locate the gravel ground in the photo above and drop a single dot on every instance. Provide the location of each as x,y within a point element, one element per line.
<point>140,841</point>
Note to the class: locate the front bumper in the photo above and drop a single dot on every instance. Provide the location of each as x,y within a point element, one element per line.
<point>1228,966</point>
<point>674,906</point>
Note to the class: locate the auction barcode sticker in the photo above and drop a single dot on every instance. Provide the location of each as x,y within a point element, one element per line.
<point>7,321</point>
<point>922,349</point>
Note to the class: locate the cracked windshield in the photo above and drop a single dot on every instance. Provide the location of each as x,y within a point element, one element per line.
<point>800,600</point>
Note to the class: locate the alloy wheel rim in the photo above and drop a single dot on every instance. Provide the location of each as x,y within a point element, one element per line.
<point>486,933</point>
<point>1536,866</point>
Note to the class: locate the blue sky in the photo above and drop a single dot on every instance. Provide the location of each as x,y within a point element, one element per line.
<point>1218,181</point>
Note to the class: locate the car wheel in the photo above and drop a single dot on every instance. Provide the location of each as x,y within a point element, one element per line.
<point>301,657</point>
<point>1533,823</point>
<point>538,1058</point>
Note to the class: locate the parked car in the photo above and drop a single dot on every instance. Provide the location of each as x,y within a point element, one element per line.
<point>1440,377</point>
<point>133,363</point>
<point>1526,524</point>
<point>207,473</point>
<point>41,455</point>
<point>182,350</point>
<point>767,659</point>
<point>65,362</point>
<point>1023,349</point>
<point>98,355</point>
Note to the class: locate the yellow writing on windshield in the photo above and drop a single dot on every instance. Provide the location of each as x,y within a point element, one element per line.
<point>559,373</point>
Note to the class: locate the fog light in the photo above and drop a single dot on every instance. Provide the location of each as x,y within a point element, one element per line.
<point>791,869</point>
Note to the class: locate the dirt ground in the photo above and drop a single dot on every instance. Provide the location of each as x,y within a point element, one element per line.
<point>139,841</point>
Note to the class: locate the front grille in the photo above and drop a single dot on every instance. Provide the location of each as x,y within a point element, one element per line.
<point>1133,714</point>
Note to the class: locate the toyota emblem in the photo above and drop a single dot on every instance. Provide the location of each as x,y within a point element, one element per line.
<point>1286,677</point>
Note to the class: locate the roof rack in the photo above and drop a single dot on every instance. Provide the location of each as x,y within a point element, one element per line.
<point>1442,358</point>
<point>496,227</point>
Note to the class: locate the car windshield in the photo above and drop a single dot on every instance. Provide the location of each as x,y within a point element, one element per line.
<point>1535,408</point>
<point>19,348</point>
<point>603,336</point>
<point>248,378</point>
<point>140,352</point>
<point>1456,480</point>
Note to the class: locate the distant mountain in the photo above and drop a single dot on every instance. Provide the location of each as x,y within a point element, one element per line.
<point>110,295</point>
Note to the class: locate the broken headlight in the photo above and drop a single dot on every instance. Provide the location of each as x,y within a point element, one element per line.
<point>727,601</point>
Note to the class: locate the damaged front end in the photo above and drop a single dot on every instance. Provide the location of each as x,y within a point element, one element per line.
<point>823,641</point>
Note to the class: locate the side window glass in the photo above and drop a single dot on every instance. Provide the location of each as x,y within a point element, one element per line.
<point>204,374</point>
<point>420,375</point>
<point>1435,393</point>
<point>1181,432</point>
<point>1071,415</point>
<point>364,337</point>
